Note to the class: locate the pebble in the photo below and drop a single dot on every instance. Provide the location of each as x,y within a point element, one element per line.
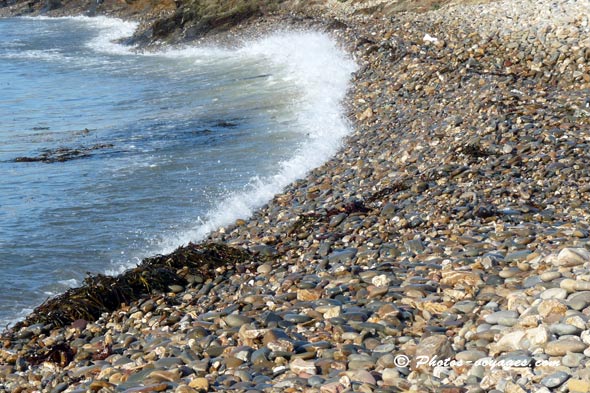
<point>554,293</point>
<point>563,329</point>
<point>235,320</point>
<point>506,318</point>
<point>572,257</point>
<point>200,384</point>
<point>554,380</point>
<point>301,366</point>
<point>563,346</point>
<point>265,268</point>
<point>578,386</point>
<point>572,360</point>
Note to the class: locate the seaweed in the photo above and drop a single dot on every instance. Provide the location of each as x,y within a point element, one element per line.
<point>475,151</point>
<point>61,354</point>
<point>101,293</point>
<point>486,211</point>
<point>301,222</point>
<point>400,185</point>
<point>62,154</point>
<point>354,206</point>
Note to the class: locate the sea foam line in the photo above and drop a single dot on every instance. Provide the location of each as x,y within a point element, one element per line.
<point>110,31</point>
<point>322,72</point>
<point>313,62</point>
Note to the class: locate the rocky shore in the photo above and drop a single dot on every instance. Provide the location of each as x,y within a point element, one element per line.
<point>444,249</point>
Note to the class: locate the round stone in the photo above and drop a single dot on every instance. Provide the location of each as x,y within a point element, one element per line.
<point>554,293</point>
<point>505,318</point>
<point>236,320</point>
<point>554,380</point>
<point>563,346</point>
<point>563,329</point>
<point>264,268</point>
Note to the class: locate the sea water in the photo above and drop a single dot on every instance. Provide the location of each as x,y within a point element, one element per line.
<point>169,145</point>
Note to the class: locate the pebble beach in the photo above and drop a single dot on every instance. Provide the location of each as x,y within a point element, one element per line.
<point>444,249</point>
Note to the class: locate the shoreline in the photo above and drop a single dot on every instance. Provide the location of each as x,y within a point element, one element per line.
<point>61,305</point>
<point>453,224</point>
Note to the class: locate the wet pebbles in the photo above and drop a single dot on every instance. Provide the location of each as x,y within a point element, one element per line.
<point>453,224</point>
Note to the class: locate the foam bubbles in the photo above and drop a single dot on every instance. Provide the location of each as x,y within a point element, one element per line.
<point>33,54</point>
<point>109,30</point>
<point>22,314</point>
<point>322,71</point>
<point>310,60</point>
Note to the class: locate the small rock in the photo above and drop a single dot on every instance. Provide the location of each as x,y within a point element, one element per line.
<point>428,348</point>
<point>554,380</point>
<point>163,375</point>
<point>333,312</point>
<point>463,279</point>
<point>551,307</point>
<point>505,317</point>
<point>572,285</point>
<point>308,295</point>
<point>572,359</point>
<point>237,320</point>
<point>342,256</point>
<point>381,280</point>
<point>563,329</point>
<point>414,245</point>
<point>265,268</point>
<point>388,210</point>
<point>554,293</point>
<point>176,288</point>
<point>200,384</point>
<point>390,376</point>
<point>337,219</point>
<point>578,386</point>
<point>512,341</point>
<point>332,387</point>
<point>549,276</point>
<point>572,257</point>
<point>263,250</point>
<point>362,376</point>
<point>465,306</point>
<point>146,389</point>
<point>303,366</point>
<point>277,340</point>
<point>563,346</point>
<point>471,356</point>
<point>367,114</point>
<point>184,389</point>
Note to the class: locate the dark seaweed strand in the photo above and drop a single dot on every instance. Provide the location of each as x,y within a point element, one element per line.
<point>101,293</point>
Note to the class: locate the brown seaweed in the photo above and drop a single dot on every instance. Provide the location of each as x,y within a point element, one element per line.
<point>62,154</point>
<point>474,150</point>
<point>301,222</point>
<point>60,354</point>
<point>101,293</point>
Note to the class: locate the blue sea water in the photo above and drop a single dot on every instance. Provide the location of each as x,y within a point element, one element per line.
<point>176,143</point>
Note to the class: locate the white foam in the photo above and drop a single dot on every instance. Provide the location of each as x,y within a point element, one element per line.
<point>322,71</point>
<point>109,31</point>
<point>22,314</point>
<point>50,55</point>
<point>71,283</point>
<point>310,60</point>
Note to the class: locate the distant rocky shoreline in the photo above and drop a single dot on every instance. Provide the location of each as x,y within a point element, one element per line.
<point>453,226</point>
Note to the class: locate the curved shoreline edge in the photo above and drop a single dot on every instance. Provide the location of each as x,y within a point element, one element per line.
<point>322,126</point>
<point>453,225</point>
